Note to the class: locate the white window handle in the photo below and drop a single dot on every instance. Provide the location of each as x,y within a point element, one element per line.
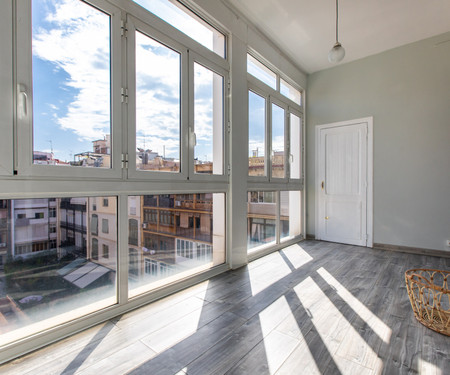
<point>194,138</point>
<point>23,99</point>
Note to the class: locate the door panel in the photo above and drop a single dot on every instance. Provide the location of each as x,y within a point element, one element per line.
<point>343,181</point>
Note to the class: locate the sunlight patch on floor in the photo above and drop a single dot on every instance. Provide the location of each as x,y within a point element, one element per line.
<point>277,346</point>
<point>175,332</point>
<point>376,324</point>
<point>296,255</point>
<point>427,368</point>
<point>268,274</point>
<point>336,333</point>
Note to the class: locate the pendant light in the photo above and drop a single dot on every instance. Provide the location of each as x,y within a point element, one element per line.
<point>337,53</point>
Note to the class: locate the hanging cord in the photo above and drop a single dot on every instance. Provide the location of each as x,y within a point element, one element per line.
<point>337,18</point>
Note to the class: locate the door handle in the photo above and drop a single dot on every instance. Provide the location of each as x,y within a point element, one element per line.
<point>323,184</point>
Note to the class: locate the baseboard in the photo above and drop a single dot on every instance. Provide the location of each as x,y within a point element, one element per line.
<point>310,236</point>
<point>412,250</point>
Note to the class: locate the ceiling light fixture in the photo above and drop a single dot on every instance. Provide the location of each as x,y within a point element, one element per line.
<point>337,53</point>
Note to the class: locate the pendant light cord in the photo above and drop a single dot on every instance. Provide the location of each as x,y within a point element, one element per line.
<point>337,18</point>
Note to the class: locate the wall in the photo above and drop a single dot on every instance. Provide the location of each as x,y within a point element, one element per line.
<point>407,91</point>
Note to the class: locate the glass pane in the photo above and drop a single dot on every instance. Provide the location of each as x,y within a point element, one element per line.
<point>187,22</point>
<point>54,268</point>
<point>260,71</point>
<point>178,235</point>
<point>278,170</point>
<point>256,134</point>
<point>71,84</point>
<point>290,92</point>
<point>158,106</point>
<point>290,214</point>
<point>261,219</point>
<point>208,121</point>
<point>295,146</point>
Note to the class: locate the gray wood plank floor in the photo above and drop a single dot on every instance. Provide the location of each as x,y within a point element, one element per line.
<point>311,308</point>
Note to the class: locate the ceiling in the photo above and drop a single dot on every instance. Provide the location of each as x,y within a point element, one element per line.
<point>305,29</point>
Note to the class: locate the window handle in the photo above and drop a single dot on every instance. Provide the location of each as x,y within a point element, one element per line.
<point>23,99</point>
<point>194,138</point>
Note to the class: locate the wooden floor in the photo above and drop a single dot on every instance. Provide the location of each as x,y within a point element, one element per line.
<point>313,308</point>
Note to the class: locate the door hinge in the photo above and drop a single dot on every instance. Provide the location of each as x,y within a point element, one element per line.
<point>229,127</point>
<point>124,95</point>
<point>229,169</point>
<point>229,87</point>
<point>125,161</point>
<point>123,29</point>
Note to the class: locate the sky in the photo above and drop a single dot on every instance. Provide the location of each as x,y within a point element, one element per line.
<point>71,81</point>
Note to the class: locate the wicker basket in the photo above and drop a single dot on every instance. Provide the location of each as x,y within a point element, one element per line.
<point>430,298</point>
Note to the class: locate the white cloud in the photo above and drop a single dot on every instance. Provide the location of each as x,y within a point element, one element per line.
<point>78,43</point>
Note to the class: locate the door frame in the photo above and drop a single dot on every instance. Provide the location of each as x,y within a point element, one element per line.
<point>369,190</point>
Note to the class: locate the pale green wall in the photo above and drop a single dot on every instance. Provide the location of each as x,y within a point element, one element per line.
<point>407,91</point>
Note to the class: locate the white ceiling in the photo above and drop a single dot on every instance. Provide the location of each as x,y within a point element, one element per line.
<point>305,29</point>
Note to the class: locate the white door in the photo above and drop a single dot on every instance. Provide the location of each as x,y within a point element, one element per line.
<point>343,169</point>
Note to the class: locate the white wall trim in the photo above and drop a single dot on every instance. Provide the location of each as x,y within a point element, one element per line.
<point>318,128</point>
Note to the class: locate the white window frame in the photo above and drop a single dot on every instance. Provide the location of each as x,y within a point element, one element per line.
<point>256,90</point>
<point>222,71</point>
<point>24,97</point>
<point>275,101</point>
<point>6,85</point>
<point>135,25</point>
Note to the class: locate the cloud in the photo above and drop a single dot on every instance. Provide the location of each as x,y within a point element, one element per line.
<point>76,39</point>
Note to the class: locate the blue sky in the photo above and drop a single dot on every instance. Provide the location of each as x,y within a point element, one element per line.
<point>71,80</point>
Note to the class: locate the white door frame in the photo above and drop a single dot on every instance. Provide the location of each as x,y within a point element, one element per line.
<point>369,213</point>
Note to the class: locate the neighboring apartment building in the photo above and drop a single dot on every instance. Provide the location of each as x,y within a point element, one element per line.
<point>177,232</point>
<point>102,234</point>
<point>72,227</point>
<point>135,253</point>
<point>4,231</point>
<point>33,226</point>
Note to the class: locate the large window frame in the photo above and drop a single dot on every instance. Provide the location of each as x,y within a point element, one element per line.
<point>124,23</point>
<point>270,182</point>
<point>28,180</point>
<point>24,97</point>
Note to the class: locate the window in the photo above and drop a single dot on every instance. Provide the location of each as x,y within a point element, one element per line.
<point>208,120</point>
<point>68,76</point>
<point>52,212</point>
<point>133,257</point>
<point>290,214</point>
<point>158,106</point>
<point>133,232</point>
<point>290,92</point>
<point>278,142</point>
<point>295,146</point>
<point>177,248</point>
<point>256,134</point>
<point>275,128</point>
<point>260,71</point>
<point>57,273</point>
<point>94,224</point>
<point>94,250</point>
<point>187,22</point>
<point>97,112</point>
<point>105,226</point>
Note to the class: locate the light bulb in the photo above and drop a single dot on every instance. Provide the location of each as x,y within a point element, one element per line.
<point>336,54</point>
